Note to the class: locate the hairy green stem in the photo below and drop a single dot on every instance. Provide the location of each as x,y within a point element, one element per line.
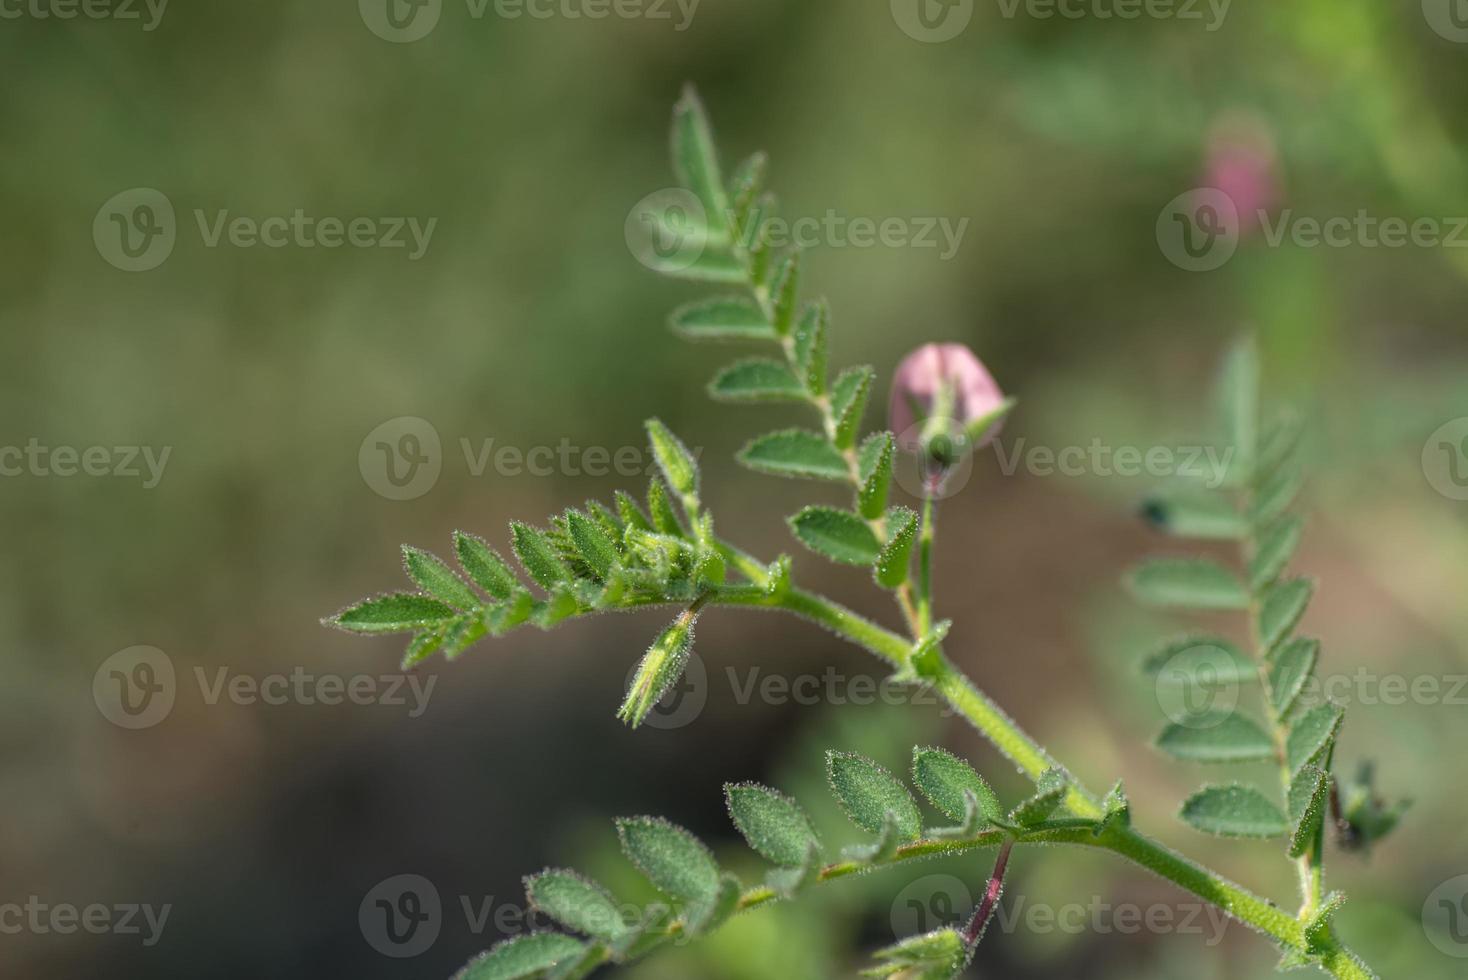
<point>1030,756</point>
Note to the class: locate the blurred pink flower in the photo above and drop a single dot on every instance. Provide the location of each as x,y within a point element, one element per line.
<point>918,391</point>
<point>1241,162</point>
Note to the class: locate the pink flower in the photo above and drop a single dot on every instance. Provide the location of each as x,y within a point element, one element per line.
<point>942,389</point>
<point>1243,164</point>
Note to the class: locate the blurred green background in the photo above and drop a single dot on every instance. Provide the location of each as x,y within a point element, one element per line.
<point>528,321</point>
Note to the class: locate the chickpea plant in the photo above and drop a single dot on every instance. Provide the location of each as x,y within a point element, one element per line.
<point>665,550</point>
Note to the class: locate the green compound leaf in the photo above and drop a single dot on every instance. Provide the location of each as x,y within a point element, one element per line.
<point>1195,659</point>
<point>1309,790</point>
<point>399,612</point>
<point>1217,738</point>
<point>1312,736</point>
<point>1281,610</point>
<point>660,669</point>
<point>795,453</point>
<point>1234,811</point>
<point>676,862</point>
<point>1191,583</point>
<point>868,793</point>
<point>674,459</point>
<point>1290,671</point>
<point>577,903</point>
<point>538,556</point>
<point>1049,795</point>
<point>725,318</point>
<point>696,161</point>
<point>664,517</point>
<point>837,534</point>
<point>1238,398</point>
<point>947,781</point>
<point>485,566</point>
<point>773,824</point>
<point>894,563</point>
<point>431,575</point>
<point>420,648</point>
<point>936,955</point>
<point>758,379</point>
<point>875,470</point>
<point>810,346</point>
<point>786,294</point>
<point>1277,494</point>
<point>849,401</point>
<point>745,187</point>
<point>1277,445</point>
<point>1276,548</point>
<point>1117,809</point>
<point>592,543</point>
<point>522,957</point>
<point>630,513</point>
<point>1195,514</point>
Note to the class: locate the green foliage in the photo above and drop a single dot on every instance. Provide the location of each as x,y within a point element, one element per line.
<point>1309,791</point>
<point>677,463</point>
<point>772,823</point>
<point>875,474</point>
<point>661,667</point>
<point>1188,583</point>
<point>396,613</point>
<point>939,955</point>
<point>1313,736</point>
<point>757,379</point>
<point>602,558</point>
<point>673,860</point>
<point>795,453</point>
<point>894,562</point>
<point>950,784</point>
<point>870,795</point>
<point>1262,482</point>
<point>523,957</point>
<point>837,534</point>
<point>1233,811</point>
<point>577,903</point>
<point>485,566</point>
<point>1227,738</point>
<point>1289,671</point>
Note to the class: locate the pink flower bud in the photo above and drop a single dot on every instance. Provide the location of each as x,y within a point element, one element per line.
<point>1243,164</point>
<point>942,380</point>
